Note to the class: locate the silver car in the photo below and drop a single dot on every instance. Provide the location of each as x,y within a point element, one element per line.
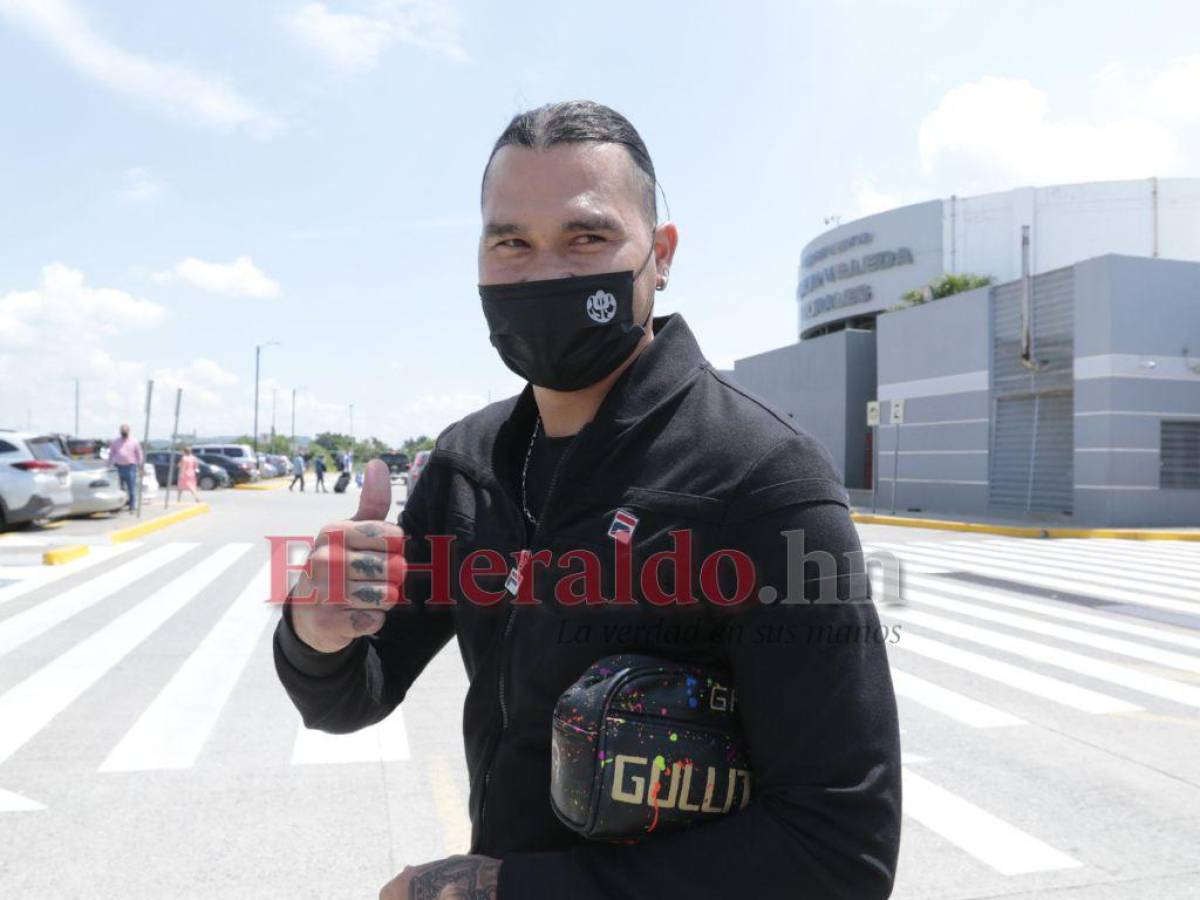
<point>35,478</point>
<point>95,488</point>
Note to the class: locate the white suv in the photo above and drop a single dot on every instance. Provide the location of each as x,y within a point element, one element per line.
<point>35,478</point>
<point>241,455</point>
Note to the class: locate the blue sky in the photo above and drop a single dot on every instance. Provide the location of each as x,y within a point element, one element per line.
<point>181,181</point>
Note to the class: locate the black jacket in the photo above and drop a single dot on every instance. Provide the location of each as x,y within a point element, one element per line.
<point>681,447</point>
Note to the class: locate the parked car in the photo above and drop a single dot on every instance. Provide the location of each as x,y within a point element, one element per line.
<point>282,464</point>
<point>35,479</point>
<point>397,462</point>
<point>242,454</point>
<point>415,469</point>
<point>239,472</point>
<point>208,475</point>
<point>268,468</point>
<point>95,488</point>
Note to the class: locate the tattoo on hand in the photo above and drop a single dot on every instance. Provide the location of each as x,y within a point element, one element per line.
<point>368,565</point>
<point>366,529</point>
<point>465,877</point>
<point>368,594</point>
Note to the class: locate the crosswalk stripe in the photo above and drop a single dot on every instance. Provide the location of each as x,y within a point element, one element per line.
<point>174,728</point>
<point>386,741</point>
<point>1099,669</point>
<point>949,703</point>
<point>30,578</point>
<point>35,621</point>
<point>1049,609</point>
<point>1049,629</point>
<point>10,802</point>
<point>1080,698</point>
<point>1112,576</point>
<point>1051,577</point>
<point>1117,549</point>
<point>1146,571</point>
<point>991,840</point>
<point>31,705</point>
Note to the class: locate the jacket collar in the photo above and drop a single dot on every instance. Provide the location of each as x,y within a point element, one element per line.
<point>664,366</point>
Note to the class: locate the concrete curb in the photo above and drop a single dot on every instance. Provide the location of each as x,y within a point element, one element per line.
<point>135,531</point>
<point>66,554</point>
<point>1034,531</point>
<point>272,484</point>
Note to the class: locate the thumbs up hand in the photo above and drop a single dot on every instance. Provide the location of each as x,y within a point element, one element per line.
<point>373,576</point>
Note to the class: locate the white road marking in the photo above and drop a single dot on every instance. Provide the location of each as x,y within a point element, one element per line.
<point>1056,578</point>
<point>1080,698</point>
<point>36,620</point>
<point>386,741</point>
<point>1132,679</point>
<point>991,840</point>
<point>10,802</point>
<point>30,578</point>
<point>27,708</point>
<point>174,728</point>
<point>949,703</point>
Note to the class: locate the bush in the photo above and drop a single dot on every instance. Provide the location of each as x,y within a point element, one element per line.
<point>946,286</point>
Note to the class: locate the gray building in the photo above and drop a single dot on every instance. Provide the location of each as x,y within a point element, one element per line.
<point>1071,396</point>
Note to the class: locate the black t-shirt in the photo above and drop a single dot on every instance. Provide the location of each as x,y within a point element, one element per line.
<point>543,460</point>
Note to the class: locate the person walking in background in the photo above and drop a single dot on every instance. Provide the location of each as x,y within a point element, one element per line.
<point>126,454</point>
<point>297,471</point>
<point>188,465</point>
<point>319,468</point>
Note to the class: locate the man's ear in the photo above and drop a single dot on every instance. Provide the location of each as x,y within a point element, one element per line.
<point>666,239</point>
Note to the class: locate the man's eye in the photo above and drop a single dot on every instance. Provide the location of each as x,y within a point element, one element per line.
<point>512,243</point>
<point>588,239</point>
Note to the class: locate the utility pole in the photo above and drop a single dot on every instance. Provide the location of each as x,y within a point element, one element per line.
<point>141,472</point>
<point>257,354</point>
<point>274,398</point>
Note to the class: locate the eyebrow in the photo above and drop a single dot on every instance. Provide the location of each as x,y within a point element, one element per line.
<point>597,222</point>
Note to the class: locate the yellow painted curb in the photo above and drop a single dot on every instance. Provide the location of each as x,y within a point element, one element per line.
<point>271,484</point>
<point>60,555</point>
<point>1134,534</point>
<point>135,531</point>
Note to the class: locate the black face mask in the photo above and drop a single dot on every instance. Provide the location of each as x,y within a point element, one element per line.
<point>564,333</point>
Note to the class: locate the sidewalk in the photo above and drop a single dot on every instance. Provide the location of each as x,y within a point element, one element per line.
<point>1021,527</point>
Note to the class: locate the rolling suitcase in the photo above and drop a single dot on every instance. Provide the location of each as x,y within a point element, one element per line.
<point>339,486</point>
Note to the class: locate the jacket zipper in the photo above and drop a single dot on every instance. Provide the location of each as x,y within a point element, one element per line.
<point>509,617</point>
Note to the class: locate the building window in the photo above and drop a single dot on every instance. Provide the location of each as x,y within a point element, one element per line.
<point>1179,455</point>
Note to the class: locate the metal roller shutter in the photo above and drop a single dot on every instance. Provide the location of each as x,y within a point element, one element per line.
<point>1031,463</point>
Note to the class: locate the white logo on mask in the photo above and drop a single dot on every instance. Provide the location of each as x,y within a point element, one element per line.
<point>601,307</point>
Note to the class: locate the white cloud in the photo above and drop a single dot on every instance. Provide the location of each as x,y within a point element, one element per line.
<point>997,129</point>
<point>197,97</point>
<point>240,278</point>
<point>139,185</point>
<point>353,42</point>
<point>868,199</point>
<point>1004,127</point>
<point>1174,93</point>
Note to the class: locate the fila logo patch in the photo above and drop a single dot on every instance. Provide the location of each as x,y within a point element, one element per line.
<point>623,524</point>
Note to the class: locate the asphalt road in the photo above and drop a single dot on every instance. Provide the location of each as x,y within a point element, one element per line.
<point>1049,695</point>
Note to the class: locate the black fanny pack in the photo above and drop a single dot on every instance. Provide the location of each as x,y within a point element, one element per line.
<point>643,745</point>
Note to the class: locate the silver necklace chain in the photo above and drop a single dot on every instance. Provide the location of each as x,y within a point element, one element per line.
<point>525,471</point>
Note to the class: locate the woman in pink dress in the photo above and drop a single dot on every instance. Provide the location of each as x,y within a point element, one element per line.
<point>187,474</point>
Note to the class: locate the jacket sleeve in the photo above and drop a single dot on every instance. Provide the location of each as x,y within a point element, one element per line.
<point>818,712</point>
<point>362,683</point>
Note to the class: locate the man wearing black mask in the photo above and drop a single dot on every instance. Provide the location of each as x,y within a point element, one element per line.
<point>624,439</point>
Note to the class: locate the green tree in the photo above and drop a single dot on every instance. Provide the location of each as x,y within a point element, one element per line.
<point>945,286</point>
<point>412,445</point>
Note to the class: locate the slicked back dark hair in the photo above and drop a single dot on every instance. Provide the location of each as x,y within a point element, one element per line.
<point>576,122</point>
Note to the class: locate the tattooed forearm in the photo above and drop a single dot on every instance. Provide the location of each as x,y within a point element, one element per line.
<point>461,878</point>
<point>367,565</point>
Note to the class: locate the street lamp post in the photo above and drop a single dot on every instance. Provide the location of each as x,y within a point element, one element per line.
<point>257,354</point>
